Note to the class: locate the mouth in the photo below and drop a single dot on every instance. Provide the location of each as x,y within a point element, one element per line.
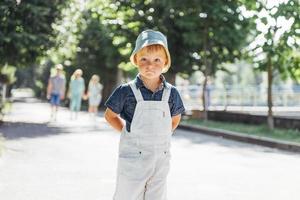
<point>149,71</point>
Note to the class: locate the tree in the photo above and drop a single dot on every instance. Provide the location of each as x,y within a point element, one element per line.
<point>86,38</point>
<point>211,30</point>
<point>217,33</point>
<point>277,42</point>
<point>25,29</point>
<point>98,55</point>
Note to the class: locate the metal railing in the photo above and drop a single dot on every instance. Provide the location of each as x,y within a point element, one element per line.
<point>248,96</point>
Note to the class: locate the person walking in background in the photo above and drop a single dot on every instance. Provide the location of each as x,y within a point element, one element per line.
<point>94,94</point>
<point>152,109</point>
<point>76,92</point>
<point>56,90</point>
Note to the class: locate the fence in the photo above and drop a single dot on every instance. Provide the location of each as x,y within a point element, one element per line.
<point>248,96</point>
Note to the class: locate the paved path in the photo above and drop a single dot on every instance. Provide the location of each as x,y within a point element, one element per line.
<point>76,160</point>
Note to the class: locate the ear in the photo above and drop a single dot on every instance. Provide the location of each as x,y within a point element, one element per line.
<point>134,59</point>
<point>167,61</point>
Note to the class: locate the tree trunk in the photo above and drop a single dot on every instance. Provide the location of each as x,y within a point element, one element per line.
<point>120,76</point>
<point>205,61</point>
<point>109,81</point>
<point>270,101</point>
<point>204,97</point>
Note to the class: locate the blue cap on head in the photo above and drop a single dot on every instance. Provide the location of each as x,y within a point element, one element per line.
<point>150,37</point>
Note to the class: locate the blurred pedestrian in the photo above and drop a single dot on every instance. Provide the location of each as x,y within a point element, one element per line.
<point>56,90</point>
<point>76,92</point>
<point>94,94</point>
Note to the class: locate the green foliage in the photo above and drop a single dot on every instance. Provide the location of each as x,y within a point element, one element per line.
<point>279,38</point>
<point>98,54</point>
<point>25,29</point>
<point>215,33</point>
<point>9,73</point>
<point>98,35</point>
<point>155,15</point>
<point>184,25</point>
<point>67,33</point>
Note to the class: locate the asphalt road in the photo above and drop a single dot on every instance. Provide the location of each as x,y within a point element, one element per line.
<point>76,159</point>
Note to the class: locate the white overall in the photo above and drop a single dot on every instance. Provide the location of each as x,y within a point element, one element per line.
<point>144,153</point>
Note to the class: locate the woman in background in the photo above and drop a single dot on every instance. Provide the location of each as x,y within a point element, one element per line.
<point>76,92</point>
<point>94,94</point>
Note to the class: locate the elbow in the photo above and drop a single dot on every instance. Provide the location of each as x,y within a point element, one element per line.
<point>107,116</point>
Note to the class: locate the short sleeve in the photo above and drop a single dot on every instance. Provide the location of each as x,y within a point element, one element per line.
<point>116,100</point>
<point>176,106</point>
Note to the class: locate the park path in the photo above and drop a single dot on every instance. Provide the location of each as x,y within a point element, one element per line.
<point>76,159</point>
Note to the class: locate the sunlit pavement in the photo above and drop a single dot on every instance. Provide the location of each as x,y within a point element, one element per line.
<point>76,159</point>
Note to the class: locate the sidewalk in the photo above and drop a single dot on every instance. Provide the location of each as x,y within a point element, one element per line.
<point>66,159</point>
<point>56,160</point>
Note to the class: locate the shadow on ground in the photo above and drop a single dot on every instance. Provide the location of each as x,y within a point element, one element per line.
<point>18,130</point>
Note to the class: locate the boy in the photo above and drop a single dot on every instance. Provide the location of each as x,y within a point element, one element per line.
<point>56,90</point>
<point>152,110</point>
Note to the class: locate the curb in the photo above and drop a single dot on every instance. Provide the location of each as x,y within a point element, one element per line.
<point>263,141</point>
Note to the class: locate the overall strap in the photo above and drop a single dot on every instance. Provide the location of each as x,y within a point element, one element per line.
<point>136,92</point>
<point>166,93</point>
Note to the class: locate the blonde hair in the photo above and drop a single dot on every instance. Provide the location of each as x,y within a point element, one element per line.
<point>59,67</point>
<point>155,48</point>
<point>94,77</point>
<point>76,72</point>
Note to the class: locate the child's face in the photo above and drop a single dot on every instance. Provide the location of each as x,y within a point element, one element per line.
<point>151,62</point>
<point>95,80</point>
<point>58,71</point>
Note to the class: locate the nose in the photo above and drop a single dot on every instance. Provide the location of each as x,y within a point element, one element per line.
<point>149,64</point>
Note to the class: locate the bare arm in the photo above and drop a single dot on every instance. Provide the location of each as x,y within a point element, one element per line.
<point>175,121</point>
<point>114,119</point>
<point>49,88</point>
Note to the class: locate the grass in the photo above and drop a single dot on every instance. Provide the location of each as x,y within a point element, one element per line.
<point>258,130</point>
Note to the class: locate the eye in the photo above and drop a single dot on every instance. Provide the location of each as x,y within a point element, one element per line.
<point>143,59</point>
<point>157,60</point>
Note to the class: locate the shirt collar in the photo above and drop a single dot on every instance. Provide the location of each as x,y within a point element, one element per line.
<point>139,83</point>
